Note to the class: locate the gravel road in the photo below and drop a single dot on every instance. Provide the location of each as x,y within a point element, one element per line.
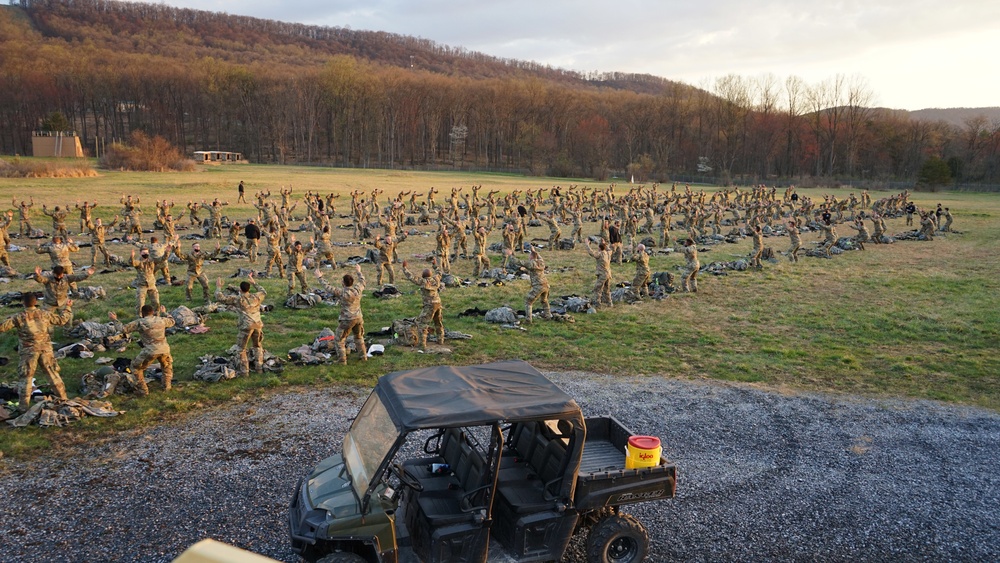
<point>763,476</point>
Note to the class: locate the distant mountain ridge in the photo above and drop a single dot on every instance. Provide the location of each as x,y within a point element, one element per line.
<point>956,116</point>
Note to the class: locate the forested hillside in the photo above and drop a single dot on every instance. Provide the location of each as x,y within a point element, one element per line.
<point>282,92</point>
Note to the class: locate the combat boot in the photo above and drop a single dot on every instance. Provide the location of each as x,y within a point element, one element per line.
<point>527,314</point>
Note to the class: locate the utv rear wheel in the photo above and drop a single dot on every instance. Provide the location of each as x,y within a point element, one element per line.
<point>617,538</point>
<point>341,557</point>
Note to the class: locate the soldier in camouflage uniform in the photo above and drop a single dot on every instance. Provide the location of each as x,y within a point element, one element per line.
<point>24,215</point>
<point>57,284</point>
<point>829,236</point>
<point>296,254</point>
<point>85,215</point>
<point>482,260</point>
<point>602,285</point>
<point>758,247</point>
<point>643,275</point>
<point>195,262</point>
<point>795,240</point>
<point>58,220</point>
<point>692,265</point>
<point>235,230</point>
<point>385,247</point>
<point>215,217</point>
<point>153,337</point>
<point>862,237</point>
<point>429,283</point>
<point>539,283</point>
<point>98,233</point>
<point>555,233</point>
<point>159,252</point>
<point>351,320</point>
<point>273,251</point>
<point>145,279</point>
<point>5,222</point>
<point>58,252</point>
<point>442,251</point>
<point>251,326</point>
<point>324,246</point>
<point>35,346</point>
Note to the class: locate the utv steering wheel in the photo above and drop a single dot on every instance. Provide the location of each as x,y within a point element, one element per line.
<point>406,478</point>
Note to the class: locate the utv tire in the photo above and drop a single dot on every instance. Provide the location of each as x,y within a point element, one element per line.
<point>341,557</point>
<point>617,538</point>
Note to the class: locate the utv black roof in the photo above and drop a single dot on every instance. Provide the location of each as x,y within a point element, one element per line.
<point>449,396</point>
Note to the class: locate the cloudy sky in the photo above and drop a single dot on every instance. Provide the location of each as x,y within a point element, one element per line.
<point>913,53</point>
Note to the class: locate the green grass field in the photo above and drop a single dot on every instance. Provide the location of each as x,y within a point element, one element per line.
<point>914,319</point>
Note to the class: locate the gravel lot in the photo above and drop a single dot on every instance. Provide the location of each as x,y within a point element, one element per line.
<point>763,476</point>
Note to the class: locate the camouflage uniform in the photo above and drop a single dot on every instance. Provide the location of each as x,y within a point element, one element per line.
<point>24,215</point>
<point>602,285</point>
<point>795,240</point>
<point>273,253</point>
<point>97,241</point>
<point>829,238</point>
<point>145,282</point>
<point>386,248</point>
<point>692,265</point>
<point>158,253</point>
<point>555,233</point>
<point>35,348</point>
<point>234,236</point>
<point>431,312</point>
<point>482,261</point>
<point>539,285</point>
<point>195,262</point>
<point>640,283</point>
<point>351,320</point>
<point>295,268</point>
<point>57,290</point>
<point>85,215</point>
<point>251,326</point>
<point>5,221</point>
<point>152,335</point>
<point>758,249</point>
<point>443,254</point>
<point>58,221</point>
<point>324,248</point>
<point>59,254</point>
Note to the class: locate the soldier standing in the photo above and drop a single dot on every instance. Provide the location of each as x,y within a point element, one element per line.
<point>57,284</point>
<point>153,337</point>
<point>602,285</point>
<point>24,215</point>
<point>250,325</point>
<point>145,279</point>
<point>758,248</point>
<point>241,188</point>
<point>429,283</point>
<point>274,251</point>
<point>692,265</point>
<point>159,252</point>
<point>539,283</point>
<point>35,346</point>
<point>98,233</point>
<point>555,233</point>
<point>193,209</point>
<point>482,260</point>
<point>59,252</point>
<point>296,255</point>
<point>58,220</point>
<point>195,262</point>
<point>795,240</point>
<point>351,320</point>
<point>640,283</point>
<point>385,248</point>
<point>85,215</point>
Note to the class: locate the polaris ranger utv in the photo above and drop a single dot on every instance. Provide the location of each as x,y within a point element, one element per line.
<point>507,456</point>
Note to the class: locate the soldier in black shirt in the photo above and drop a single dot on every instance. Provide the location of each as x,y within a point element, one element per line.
<point>252,233</point>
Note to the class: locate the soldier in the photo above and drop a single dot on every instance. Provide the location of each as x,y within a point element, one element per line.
<point>242,189</point>
<point>296,255</point>
<point>98,233</point>
<point>169,228</point>
<point>324,246</point>
<point>195,262</point>
<point>539,283</point>
<point>948,219</point>
<point>57,284</point>
<point>460,239</point>
<point>643,275</point>
<point>385,248</point>
<point>555,233</point>
<point>234,236</point>
<point>482,260</point>
<point>692,265</point>
<point>193,209</point>
<point>602,285</point>
<point>795,241</point>
<point>862,237</point>
<point>58,220</point>
<point>758,248</point>
<point>273,251</point>
<point>35,346</point>
<point>926,226</point>
<point>153,337</point>
<point>215,217</point>
<point>145,278</point>
<point>830,236</point>
<point>59,252</point>
<point>250,325</point>
<point>442,252</point>
<point>24,215</point>
<point>5,222</point>
<point>351,320</point>
<point>429,283</point>
<point>252,234</point>
<point>159,252</point>
<point>85,215</point>
<point>615,241</point>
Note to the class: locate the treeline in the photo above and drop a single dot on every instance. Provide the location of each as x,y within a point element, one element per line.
<point>291,93</point>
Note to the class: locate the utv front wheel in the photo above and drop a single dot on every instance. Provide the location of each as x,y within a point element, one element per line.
<point>617,538</point>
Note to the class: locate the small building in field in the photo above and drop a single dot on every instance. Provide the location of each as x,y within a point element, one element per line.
<point>218,157</point>
<point>56,143</point>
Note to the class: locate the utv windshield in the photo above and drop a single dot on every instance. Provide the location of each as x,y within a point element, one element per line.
<point>368,442</point>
